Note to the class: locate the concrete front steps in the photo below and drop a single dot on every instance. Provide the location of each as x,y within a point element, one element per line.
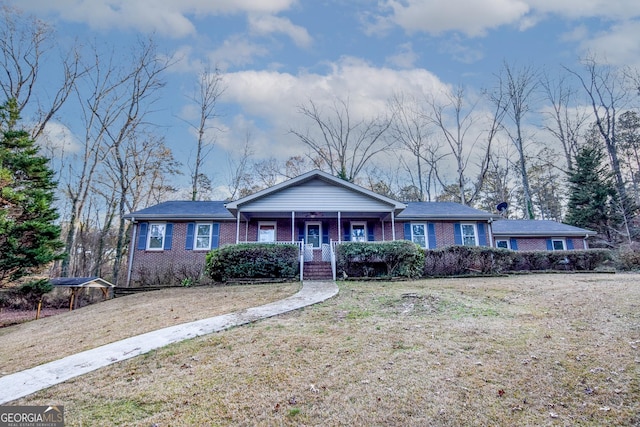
<point>317,271</point>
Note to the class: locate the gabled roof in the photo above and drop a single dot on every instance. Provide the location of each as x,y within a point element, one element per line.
<point>81,282</point>
<point>183,209</point>
<point>443,211</point>
<point>536,228</point>
<point>315,175</point>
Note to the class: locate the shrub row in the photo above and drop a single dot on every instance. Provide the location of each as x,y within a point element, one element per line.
<point>252,261</point>
<point>392,259</point>
<point>465,260</point>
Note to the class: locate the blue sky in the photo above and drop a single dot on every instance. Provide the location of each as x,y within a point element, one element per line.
<point>278,54</point>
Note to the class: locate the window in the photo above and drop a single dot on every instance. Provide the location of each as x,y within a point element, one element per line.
<point>358,232</point>
<point>156,236</point>
<point>558,244</point>
<point>469,234</point>
<point>419,234</point>
<point>267,232</point>
<point>203,236</point>
<point>504,244</point>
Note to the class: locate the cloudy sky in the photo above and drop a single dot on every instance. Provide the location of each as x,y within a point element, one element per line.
<point>278,54</point>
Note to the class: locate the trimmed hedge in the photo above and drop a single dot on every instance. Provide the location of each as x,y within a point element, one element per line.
<point>391,259</point>
<point>260,260</point>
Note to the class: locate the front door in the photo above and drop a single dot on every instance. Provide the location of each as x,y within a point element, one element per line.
<point>313,234</point>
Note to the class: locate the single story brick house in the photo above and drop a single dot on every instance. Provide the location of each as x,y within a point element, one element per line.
<point>315,211</point>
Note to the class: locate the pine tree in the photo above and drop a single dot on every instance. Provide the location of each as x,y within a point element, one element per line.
<point>592,195</point>
<point>29,236</point>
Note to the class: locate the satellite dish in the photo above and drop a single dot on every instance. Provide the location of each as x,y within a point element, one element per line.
<point>501,207</point>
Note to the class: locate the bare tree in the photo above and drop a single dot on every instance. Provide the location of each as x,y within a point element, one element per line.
<point>210,89</point>
<point>467,138</point>
<point>241,182</point>
<point>344,145</point>
<point>607,94</point>
<point>566,122</point>
<point>25,43</point>
<point>412,129</point>
<point>517,88</point>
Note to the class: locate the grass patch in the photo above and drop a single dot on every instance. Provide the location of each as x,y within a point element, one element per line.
<point>527,351</point>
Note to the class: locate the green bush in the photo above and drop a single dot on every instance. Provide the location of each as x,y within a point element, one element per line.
<point>392,259</point>
<point>255,261</point>
<point>628,257</point>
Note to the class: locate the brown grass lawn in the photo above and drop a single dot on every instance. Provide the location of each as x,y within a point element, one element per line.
<point>557,350</point>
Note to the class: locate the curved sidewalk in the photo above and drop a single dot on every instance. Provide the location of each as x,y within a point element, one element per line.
<point>23,383</point>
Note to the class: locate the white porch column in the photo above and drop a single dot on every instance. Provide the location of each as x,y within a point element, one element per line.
<point>490,233</point>
<point>293,226</point>
<point>393,226</point>
<point>339,228</point>
<point>238,228</point>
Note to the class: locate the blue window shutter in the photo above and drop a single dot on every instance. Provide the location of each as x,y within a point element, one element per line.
<point>215,235</point>
<point>347,232</point>
<point>570,244</point>
<point>549,245</point>
<point>142,237</point>
<point>168,236</point>
<point>300,232</point>
<point>431,231</point>
<point>190,231</point>
<point>482,236</point>
<point>325,233</point>
<point>514,244</point>
<point>407,231</point>
<point>370,234</point>
<point>457,233</point>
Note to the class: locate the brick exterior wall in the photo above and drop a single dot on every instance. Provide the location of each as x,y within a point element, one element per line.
<point>540,243</point>
<point>444,231</point>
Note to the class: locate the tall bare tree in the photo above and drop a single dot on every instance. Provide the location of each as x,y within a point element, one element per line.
<point>469,135</point>
<point>25,43</point>
<point>608,93</point>
<point>210,89</point>
<point>565,120</point>
<point>344,144</point>
<point>517,86</point>
<point>412,129</point>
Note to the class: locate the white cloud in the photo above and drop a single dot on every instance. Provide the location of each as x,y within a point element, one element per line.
<point>273,98</point>
<point>470,17</point>
<point>618,45</point>
<point>58,140</point>
<point>269,24</point>
<point>237,51</point>
<point>405,58</point>
<point>168,17</point>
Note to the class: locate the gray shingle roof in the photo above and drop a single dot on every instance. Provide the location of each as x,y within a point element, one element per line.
<point>523,227</point>
<point>443,211</point>
<point>183,209</point>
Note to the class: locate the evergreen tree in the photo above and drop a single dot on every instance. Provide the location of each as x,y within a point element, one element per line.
<point>29,237</point>
<point>592,195</point>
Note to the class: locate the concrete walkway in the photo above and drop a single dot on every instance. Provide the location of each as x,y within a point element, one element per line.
<point>23,383</point>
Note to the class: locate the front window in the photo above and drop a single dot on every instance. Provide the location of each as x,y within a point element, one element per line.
<point>203,236</point>
<point>504,244</point>
<point>267,232</point>
<point>156,236</point>
<point>358,232</point>
<point>469,235</point>
<point>558,244</point>
<point>419,235</point>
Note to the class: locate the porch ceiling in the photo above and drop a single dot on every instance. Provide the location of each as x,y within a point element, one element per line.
<point>318,215</point>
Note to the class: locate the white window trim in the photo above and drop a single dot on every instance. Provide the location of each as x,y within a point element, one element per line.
<point>559,239</point>
<point>363,223</point>
<point>195,236</point>
<point>275,230</point>
<point>475,232</point>
<point>164,236</point>
<point>508,240</point>
<point>426,233</point>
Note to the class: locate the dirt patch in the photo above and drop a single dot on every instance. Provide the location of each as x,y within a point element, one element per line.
<point>524,350</point>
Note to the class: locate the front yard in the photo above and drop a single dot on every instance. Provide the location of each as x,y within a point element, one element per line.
<point>556,349</point>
